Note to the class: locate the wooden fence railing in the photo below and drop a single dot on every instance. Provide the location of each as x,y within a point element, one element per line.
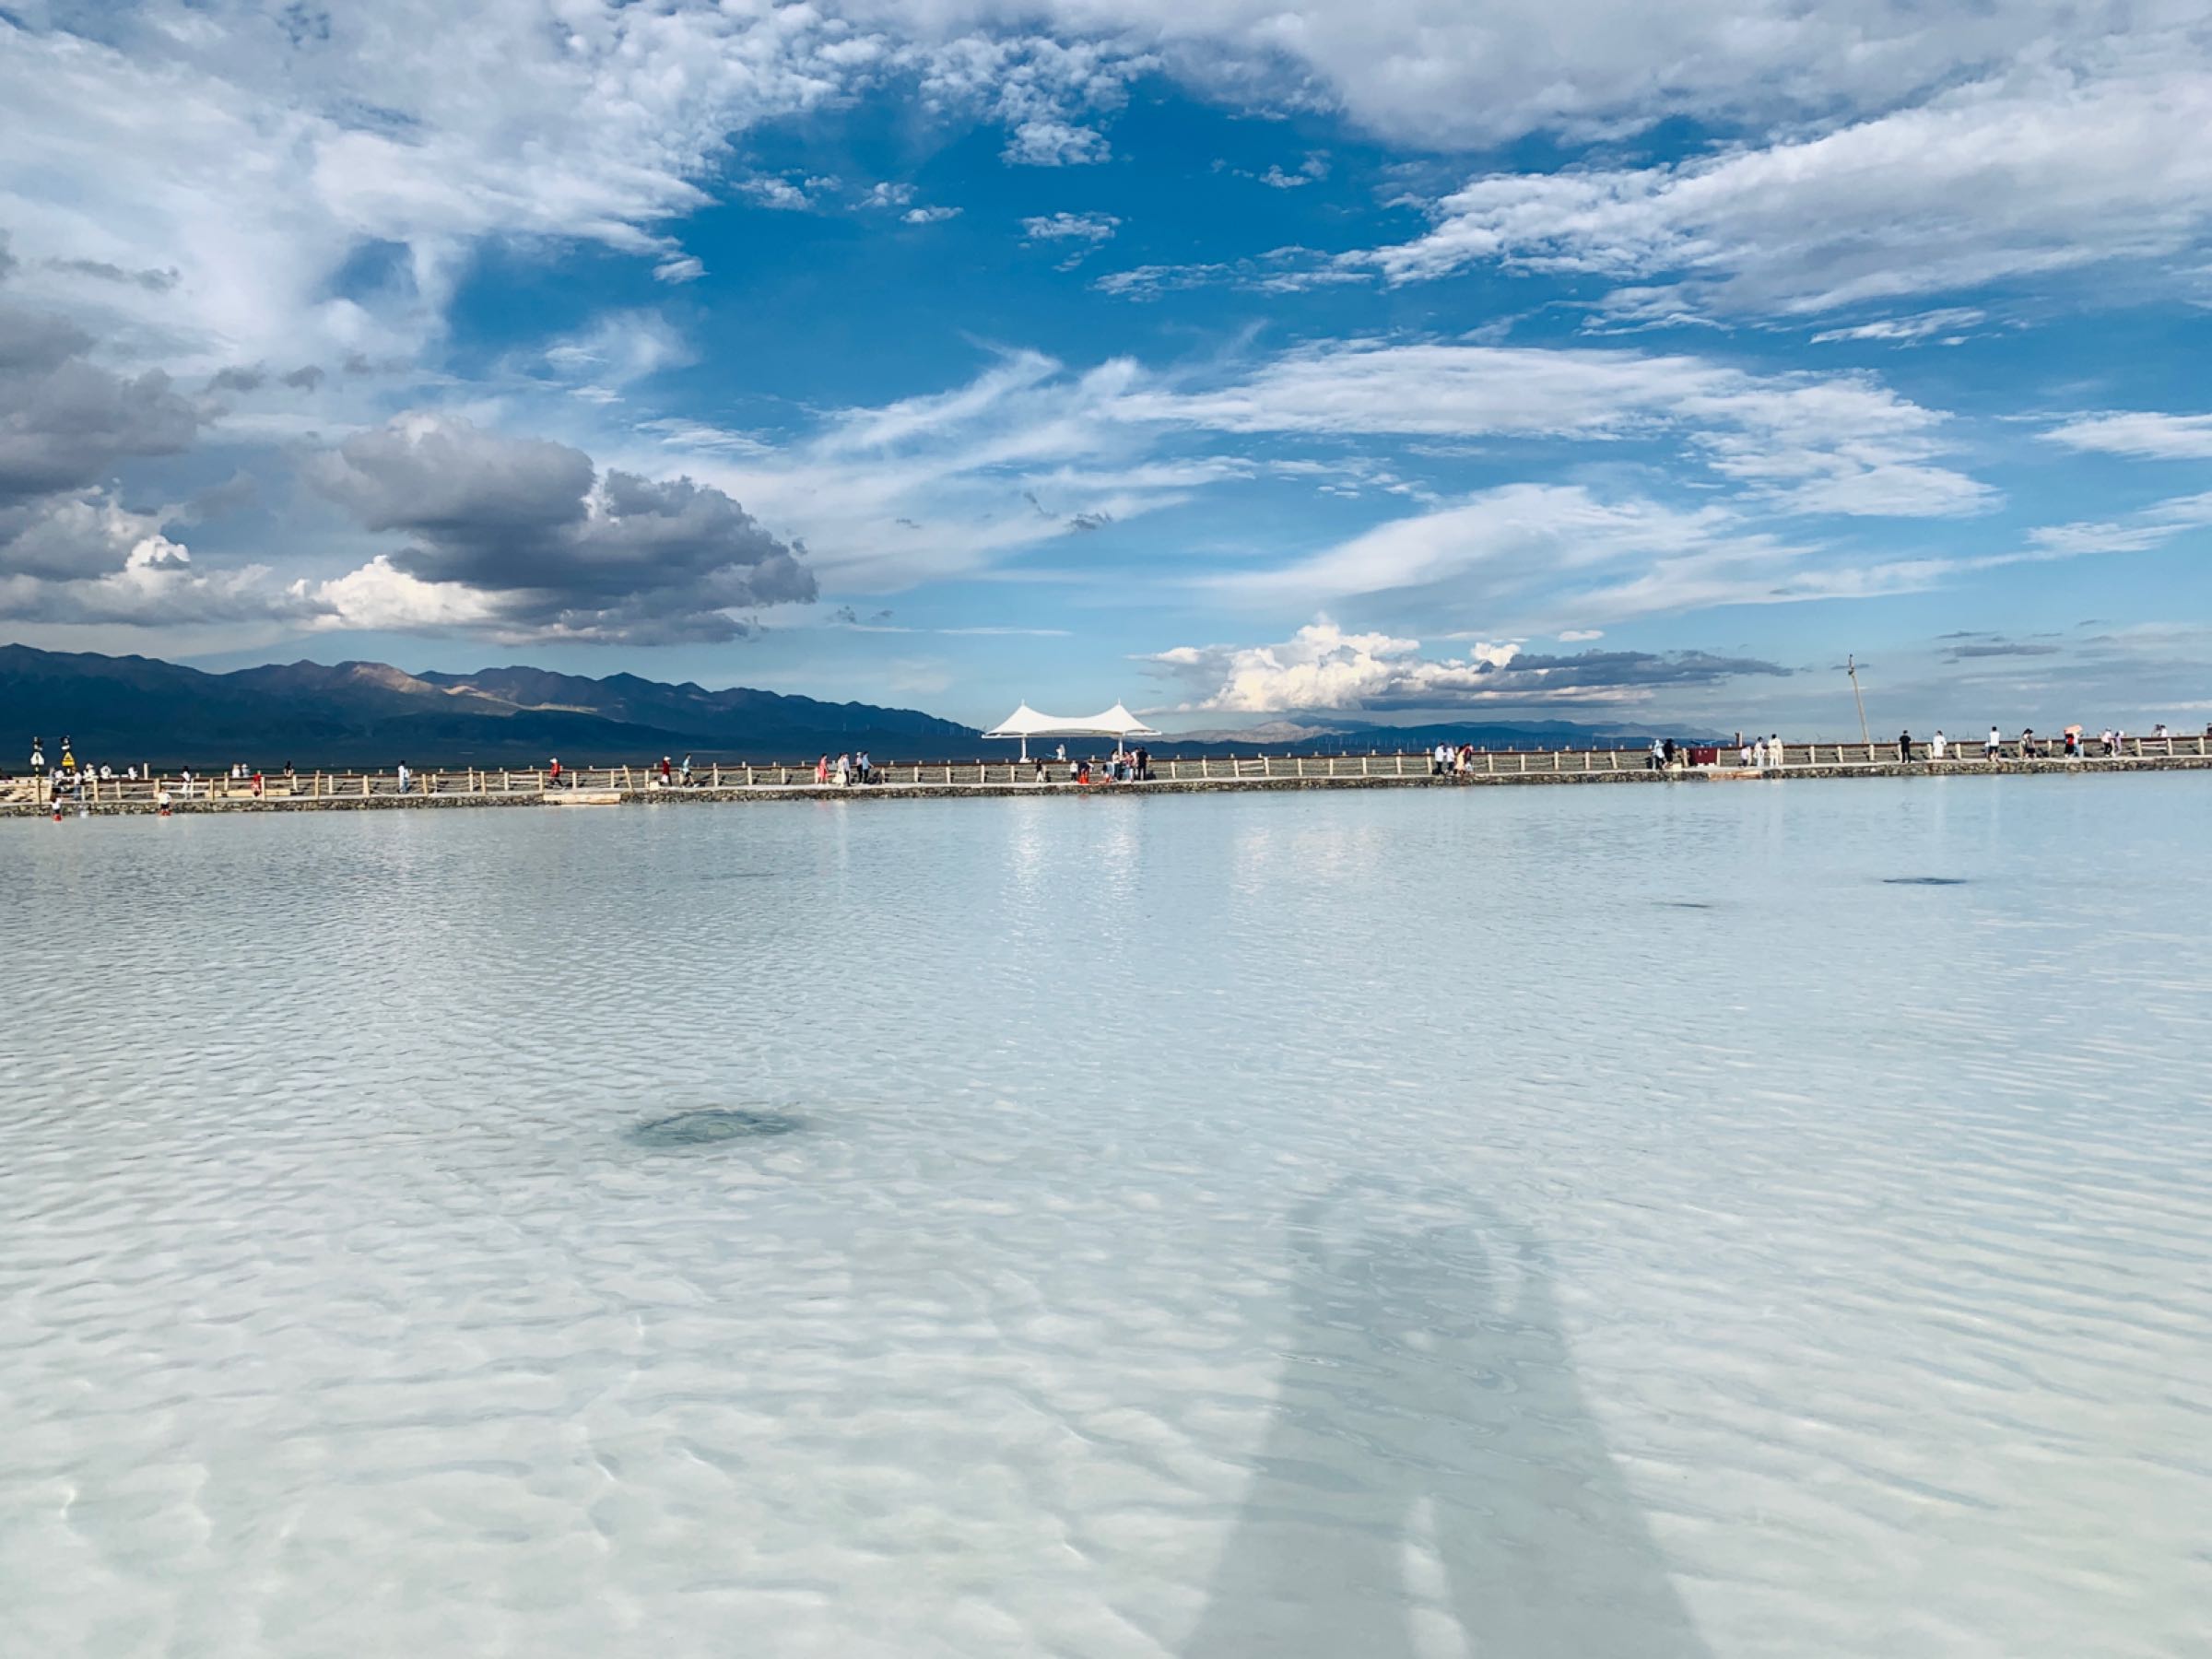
<point>479,781</point>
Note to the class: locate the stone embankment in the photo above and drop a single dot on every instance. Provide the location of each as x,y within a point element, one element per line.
<point>353,792</point>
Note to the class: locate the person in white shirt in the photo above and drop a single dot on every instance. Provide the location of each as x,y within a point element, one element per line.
<point>1936,744</point>
<point>1777,757</point>
<point>1994,747</point>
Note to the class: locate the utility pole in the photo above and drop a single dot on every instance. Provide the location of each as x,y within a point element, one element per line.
<point>1851,667</point>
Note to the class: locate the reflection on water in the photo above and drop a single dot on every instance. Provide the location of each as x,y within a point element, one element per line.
<point>1431,1462</point>
<point>511,1232</point>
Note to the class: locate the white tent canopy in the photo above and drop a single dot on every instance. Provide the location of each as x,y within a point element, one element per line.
<point>1026,723</point>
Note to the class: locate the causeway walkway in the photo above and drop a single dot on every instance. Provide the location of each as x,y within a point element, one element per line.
<point>617,785</point>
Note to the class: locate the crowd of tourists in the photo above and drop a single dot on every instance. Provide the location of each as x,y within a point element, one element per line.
<point>73,781</point>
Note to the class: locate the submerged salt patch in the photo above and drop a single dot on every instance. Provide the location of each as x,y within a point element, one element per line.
<point>713,1126</point>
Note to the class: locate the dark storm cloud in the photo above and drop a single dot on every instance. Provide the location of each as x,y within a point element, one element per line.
<point>305,378</point>
<point>1578,676</point>
<point>65,420</point>
<point>239,380</point>
<point>557,548</point>
<point>7,260</point>
<point>1645,667</point>
<point>234,494</point>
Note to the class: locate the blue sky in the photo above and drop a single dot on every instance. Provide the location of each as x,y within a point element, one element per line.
<point>1240,361</point>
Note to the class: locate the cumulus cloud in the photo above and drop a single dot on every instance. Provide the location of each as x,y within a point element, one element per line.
<point>524,538</point>
<point>928,216</point>
<point>64,421</point>
<point>1324,667</point>
<point>86,560</point>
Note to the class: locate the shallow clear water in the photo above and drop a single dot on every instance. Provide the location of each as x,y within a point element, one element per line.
<point>1645,1221</point>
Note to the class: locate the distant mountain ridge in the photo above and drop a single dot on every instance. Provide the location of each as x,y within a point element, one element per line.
<point>125,709</point>
<point>131,709</point>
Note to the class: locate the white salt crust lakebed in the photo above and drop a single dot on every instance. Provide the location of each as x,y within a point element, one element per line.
<point>1581,1222</point>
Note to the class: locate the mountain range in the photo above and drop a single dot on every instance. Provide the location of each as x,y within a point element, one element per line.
<point>123,710</point>
<point>136,709</point>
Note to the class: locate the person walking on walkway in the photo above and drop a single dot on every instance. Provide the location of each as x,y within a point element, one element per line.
<point>1936,744</point>
<point>1904,746</point>
<point>402,779</point>
<point>1994,747</point>
<point>1775,756</point>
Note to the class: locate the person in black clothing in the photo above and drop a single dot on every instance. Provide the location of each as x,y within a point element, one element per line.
<point>1904,746</point>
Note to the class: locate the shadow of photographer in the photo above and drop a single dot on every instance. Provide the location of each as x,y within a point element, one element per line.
<point>1432,1458</point>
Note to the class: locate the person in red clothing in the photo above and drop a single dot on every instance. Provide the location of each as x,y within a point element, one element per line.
<point>553,771</point>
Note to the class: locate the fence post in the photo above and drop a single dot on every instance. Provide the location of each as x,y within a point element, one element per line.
<point>1401,766</point>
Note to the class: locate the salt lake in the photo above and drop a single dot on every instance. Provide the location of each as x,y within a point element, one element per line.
<point>1674,1221</point>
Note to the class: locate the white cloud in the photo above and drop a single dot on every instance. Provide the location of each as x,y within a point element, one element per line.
<point>929,215</point>
<point>1576,636</point>
<point>618,348</point>
<point>780,193</point>
<point>2143,435</point>
<point>379,595</point>
<point>1322,667</point>
<point>1313,167</point>
<point>1524,550</point>
<point>682,267</point>
<point>2017,175</point>
<point>2153,526</point>
<point>86,560</point>
<point>1948,321</point>
<point>1818,444</point>
<point>1064,227</point>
